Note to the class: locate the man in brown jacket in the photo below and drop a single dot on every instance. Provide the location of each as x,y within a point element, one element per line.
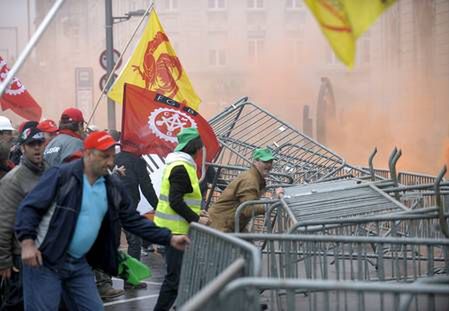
<point>249,185</point>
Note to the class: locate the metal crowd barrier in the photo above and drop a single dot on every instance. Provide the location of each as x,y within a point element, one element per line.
<point>358,200</point>
<point>320,201</point>
<point>422,223</point>
<point>243,126</point>
<point>308,272</point>
<point>324,295</point>
<point>351,258</point>
<point>211,252</point>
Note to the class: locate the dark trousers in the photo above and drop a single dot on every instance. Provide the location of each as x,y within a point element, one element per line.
<point>11,296</point>
<point>134,245</point>
<point>169,289</point>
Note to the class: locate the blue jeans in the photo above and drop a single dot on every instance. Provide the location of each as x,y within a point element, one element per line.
<point>42,287</point>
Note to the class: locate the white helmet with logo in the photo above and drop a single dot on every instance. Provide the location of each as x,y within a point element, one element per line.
<point>5,124</point>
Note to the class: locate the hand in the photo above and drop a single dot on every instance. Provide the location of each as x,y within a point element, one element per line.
<point>279,192</point>
<point>204,220</point>
<point>5,273</point>
<point>31,255</point>
<point>121,171</point>
<point>204,213</point>
<point>179,242</point>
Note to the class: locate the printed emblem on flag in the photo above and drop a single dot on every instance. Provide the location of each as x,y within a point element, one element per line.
<point>166,123</point>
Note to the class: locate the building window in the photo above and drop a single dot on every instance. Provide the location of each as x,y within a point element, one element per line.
<point>169,5</point>
<point>254,4</point>
<point>217,57</point>
<point>216,5</point>
<point>255,50</point>
<point>294,4</point>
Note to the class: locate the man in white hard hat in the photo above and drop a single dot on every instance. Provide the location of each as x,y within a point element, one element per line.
<point>6,130</point>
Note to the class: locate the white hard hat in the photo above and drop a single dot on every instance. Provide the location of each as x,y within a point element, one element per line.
<point>5,124</point>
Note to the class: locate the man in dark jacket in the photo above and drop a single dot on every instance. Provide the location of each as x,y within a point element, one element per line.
<point>136,176</point>
<point>70,222</point>
<point>13,188</point>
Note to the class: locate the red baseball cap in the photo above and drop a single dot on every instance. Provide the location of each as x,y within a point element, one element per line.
<point>72,114</point>
<point>99,140</point>
<point>48,126</point>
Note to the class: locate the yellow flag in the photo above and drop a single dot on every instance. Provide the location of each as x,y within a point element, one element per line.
<point>155,66</point>
<point>344,21</point>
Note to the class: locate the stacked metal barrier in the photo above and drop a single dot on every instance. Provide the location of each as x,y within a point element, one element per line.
<point>342,238</point>
<point>422,223</point>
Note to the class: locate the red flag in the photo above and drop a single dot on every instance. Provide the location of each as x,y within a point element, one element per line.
<point>17,98</point>
<point>150,123</point>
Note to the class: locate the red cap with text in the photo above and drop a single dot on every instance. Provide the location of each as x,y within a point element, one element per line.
<point>99,140</point>
<point>48,126</point>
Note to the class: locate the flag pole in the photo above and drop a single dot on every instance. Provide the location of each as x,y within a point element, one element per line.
<point>29,47</point>
<point>103,91</point>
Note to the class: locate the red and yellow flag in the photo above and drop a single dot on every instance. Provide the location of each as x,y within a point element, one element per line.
<point>344,21</point>
<point>155,67</point>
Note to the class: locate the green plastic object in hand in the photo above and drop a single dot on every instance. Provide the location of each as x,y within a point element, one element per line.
<point>132,270</point>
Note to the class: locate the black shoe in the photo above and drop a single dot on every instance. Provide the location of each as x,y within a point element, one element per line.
<point>141,285</point>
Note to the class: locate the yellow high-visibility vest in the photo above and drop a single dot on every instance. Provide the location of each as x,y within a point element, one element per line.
<point>165,216</point>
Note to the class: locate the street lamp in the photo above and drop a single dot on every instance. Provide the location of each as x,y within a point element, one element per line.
<point>119,19</point>
<point>110,20</point>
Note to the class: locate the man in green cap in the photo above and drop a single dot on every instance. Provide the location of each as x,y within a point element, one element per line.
<point>179,205</point>
<point>249,185</point>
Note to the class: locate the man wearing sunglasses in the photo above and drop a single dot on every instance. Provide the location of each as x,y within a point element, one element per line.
<point>13,188</point>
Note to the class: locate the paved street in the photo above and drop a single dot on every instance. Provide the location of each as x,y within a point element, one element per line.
<point>141,299</point>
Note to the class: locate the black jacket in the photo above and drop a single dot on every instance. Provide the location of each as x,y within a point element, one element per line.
<point>136,175</point>
<point>61,187</point>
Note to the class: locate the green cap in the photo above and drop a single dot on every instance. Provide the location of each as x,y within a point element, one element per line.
<point>263,154</point>
<point>185,136</point>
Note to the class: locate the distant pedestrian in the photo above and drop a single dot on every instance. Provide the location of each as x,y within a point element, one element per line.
<point>5,163</point>
<point>6,130</point>
<point>49,128</point>
<point>67,145</point>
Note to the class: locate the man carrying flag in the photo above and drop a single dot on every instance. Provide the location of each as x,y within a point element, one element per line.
<point>17,98</point>
<point>155,67</point>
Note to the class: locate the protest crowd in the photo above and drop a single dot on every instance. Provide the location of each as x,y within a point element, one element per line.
<point>243,208</point>
<point>66,198</point>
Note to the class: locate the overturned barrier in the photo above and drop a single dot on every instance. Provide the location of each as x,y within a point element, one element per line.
<point>243,126</point>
